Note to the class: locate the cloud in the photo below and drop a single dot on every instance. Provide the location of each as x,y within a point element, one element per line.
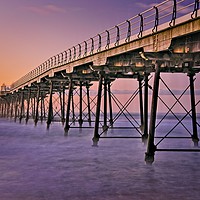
<point>53,8</point>
<point>166,7</point>
<point>46,9</point>
<point>145,6</point>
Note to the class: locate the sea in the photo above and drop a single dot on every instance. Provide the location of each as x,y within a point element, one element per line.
<point>41,164</point>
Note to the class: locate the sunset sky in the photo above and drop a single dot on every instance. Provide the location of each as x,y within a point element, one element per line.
<point>34,30</point>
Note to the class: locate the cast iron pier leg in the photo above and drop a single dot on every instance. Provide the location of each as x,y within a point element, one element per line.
<point>98,109</point>
<point>110,103</point>
<point>146,86</point>
<point>22,107</point>
<point>151,148</point>
<point>88,103</point>
<point>194,122</point>
<point>11,110</point>
<point>16,106</point>
<point>28,106</point>
<point>73,109</point>
<point>8,107</point>
<point>33,107</point>
<point>44,112</point>
<point>4,109</point>
<point>50,110</point>
<point>81,105</point>
<point>1,108</point>
<point>141,104</point>
<point>63,105</point>
<point>67,126</point>
<point>105,127</point>
<point>41,109</point>
<point>37,106</point>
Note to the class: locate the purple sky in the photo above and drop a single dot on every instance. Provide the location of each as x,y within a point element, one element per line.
<point>34,30</point>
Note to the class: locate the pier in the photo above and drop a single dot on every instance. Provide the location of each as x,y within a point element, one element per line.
<point>163,40</point>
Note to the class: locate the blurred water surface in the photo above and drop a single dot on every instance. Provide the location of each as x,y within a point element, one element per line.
<point>37,164</point>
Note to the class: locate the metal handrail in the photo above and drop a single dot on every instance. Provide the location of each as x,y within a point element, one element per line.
<point>167,11</point>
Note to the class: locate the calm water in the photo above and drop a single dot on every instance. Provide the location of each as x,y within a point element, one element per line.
<point>37,164</point>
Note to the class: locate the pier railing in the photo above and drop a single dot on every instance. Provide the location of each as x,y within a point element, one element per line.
<point>153,20</point>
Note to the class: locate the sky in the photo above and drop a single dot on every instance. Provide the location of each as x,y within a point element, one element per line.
<point>32,31</point>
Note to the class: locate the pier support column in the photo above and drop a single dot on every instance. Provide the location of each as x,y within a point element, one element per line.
<point>21,107</point>
<point>37,106</point>
<point>28,105</point>
<point>81,104</point>
<point>194,120</point>
<point>8,107</point>
<point>11,109</point>
<point>62,103</point>
<point>110,103</point>
<point>73,108</point>
<point>5,108</point>
<point>141,104</point>
<point>88,103</point>
<point>33,106</point>
<point>105,126</point>
<point>16,107</point>
<point>2,107</point>
<point>44,111</point>
<point>146,95</point>
<point>98,108</point>
<point>50,110</point>
<point>41,108</point>
<point>67,126</point>
<point>151,148</point>
<point>1,103</point>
